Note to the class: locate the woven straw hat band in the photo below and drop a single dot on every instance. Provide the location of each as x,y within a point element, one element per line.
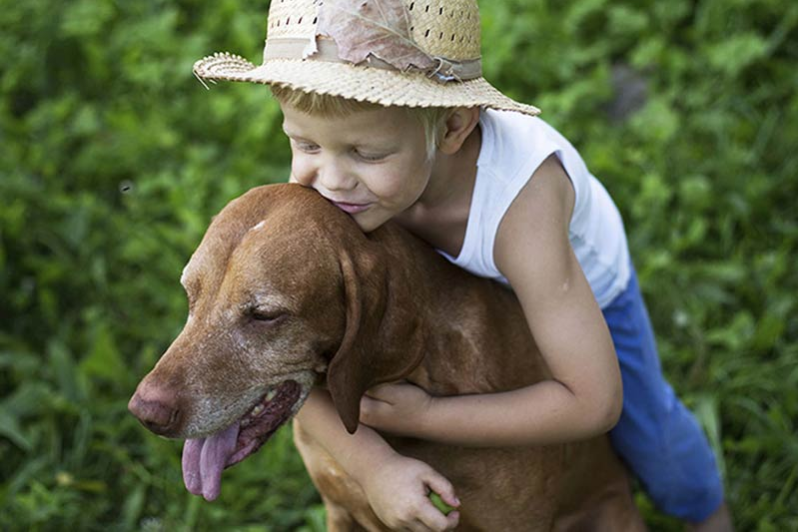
<point>327,50</point>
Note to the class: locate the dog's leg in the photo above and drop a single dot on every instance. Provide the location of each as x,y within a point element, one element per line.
<point>339,520</point>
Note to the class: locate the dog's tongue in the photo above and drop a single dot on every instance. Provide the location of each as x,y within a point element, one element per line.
<point>204,460</point>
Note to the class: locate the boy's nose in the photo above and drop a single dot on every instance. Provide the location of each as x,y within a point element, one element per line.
<point>336,177</point>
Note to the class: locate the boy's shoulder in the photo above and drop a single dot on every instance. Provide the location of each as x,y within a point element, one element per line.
<point>511,140</point>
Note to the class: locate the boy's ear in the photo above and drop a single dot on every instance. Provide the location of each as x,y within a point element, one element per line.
<point>457,128</point>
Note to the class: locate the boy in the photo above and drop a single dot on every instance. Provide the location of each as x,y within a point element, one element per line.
<point>389,118</point>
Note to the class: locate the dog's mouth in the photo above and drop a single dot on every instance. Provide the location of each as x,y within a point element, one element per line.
<point>204,459</point>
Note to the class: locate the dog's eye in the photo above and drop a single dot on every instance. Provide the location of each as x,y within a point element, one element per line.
<point>269,316</point>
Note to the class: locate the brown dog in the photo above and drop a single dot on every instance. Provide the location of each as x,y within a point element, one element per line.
<point>286,292</point>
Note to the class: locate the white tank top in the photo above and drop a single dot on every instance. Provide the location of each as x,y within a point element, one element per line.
<point>513,147</point>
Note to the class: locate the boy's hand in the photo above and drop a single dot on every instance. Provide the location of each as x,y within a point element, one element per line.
<point>398,492</point>
<point>400,409</point>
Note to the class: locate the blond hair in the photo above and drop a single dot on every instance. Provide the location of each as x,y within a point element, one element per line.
<point>432,119</point>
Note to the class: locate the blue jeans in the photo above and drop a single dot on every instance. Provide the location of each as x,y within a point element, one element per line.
<point>657,437</point>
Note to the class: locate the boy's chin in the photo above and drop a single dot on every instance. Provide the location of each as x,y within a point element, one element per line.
<point>368,227</point>
<point>368,222</point>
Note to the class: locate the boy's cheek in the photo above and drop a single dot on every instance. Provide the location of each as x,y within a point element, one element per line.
<point>301,174</point>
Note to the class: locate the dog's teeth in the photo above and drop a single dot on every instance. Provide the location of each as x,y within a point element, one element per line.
<point>257,410</point>
<point>271,395</point>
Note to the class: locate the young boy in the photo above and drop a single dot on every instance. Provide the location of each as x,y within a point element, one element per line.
<point>389,118</point>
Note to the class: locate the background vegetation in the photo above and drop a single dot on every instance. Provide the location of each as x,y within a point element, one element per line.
<point>113,159</point>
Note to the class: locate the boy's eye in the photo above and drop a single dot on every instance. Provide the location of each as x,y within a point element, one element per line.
<point>306,146</point>
<point>366,156</point>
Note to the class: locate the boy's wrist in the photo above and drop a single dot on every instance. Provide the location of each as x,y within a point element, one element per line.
<point>445,415</point>
<point>369,458</point>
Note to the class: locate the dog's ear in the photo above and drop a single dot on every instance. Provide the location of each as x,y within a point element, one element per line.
<point>382,341</point>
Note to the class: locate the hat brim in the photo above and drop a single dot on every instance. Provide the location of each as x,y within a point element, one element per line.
<point>366,84</point>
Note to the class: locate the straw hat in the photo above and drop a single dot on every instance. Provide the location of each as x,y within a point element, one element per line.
<point>302,54</point>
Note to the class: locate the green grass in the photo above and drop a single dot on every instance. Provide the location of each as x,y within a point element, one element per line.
<point>113,159</point>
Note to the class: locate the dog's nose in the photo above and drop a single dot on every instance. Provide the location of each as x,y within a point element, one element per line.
<point>156,410</point>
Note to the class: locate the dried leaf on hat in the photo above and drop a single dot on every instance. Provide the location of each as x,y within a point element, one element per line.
<point>380,28</point>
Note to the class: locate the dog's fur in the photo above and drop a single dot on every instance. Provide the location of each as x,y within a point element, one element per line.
<point>356,310</point>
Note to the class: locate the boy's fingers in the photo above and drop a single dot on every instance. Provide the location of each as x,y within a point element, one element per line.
<point>418,526</point>
<point>430,518</point>
<point>381,392</point>
<point>442,487</point>
<point>452,520</point>
<point>372,411</point>
<point>427,523</point>
<point>367,406</point>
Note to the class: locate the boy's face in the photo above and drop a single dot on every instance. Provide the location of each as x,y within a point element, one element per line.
<point>371,164</point>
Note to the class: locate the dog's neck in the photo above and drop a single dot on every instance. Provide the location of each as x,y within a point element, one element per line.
<point>455,314</point>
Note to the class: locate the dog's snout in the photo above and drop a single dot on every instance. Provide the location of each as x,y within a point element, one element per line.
<point>156,410</point>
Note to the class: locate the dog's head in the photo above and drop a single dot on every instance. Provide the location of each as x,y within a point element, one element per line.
<point>284,290</point>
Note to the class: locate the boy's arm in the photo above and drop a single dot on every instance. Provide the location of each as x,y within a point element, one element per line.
<point>397,486</point>
<point>357,453</point>
<point>584,396</point>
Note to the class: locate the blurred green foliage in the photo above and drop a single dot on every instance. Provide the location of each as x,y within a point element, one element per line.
<point>113,158</point>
